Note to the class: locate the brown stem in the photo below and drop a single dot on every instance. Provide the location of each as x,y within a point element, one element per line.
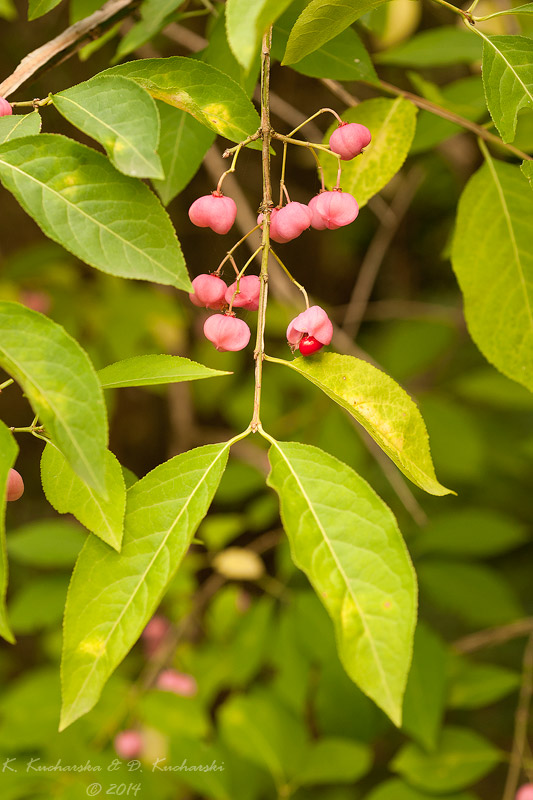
<point>521,721</point>
<point>494,636</point>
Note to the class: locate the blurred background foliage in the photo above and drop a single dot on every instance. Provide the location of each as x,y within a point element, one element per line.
<point>273,703</point>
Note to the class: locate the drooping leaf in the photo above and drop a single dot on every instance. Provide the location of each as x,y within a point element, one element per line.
<point>60,383</point>
<point>462,758</point>
<point>183,144</point>
<point>246,23</point>
<point>474,685</point>
<point>153,370</point>
<point>18,125</point>
<point>348,544</point>
<point>48,543</point>
<point>527,170</point>
<point>436,47</point>
<point>381,406</point>
<point>68,494</point>
<point>508,80</point>
<point>38,8</point>
<point>425,694</point>
<point>110,221</point>
<point>470,533</point>
<point>119,114</point>
<point>8,454</point>
<point>495,271</point>
<point>112,595</point>
<point>320,22</point>
<point>392,125</point>
<point>214,99</point>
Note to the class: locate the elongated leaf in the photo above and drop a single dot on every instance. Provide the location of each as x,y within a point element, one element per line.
<point>18,125</point>
<point>436,47</point>
<point>477,685</point>
<point>348,544</point>
<point>527,9</point>
<point>527,170</point>
<point>78,199</point>
<point>153,370</point>
<point>122,116</point>
<point>392,125</point>
<point>246,23</point>
<point>49,543</point>
<point>495,271</point>
<point>425,695</point>
<point>8,454</point>
<point>214,99</point>
<point>508,80</point>
<point>470,533</point>
<point>334,760</point>
<point>68,494</point>
<point>112,595</point>
<point>381,406</point>
<point>38,8</point>
<point>155,15</point>
<point>183,144</point>
<point>320,22</point>
<point>463,757</point>
<point>60,383</point>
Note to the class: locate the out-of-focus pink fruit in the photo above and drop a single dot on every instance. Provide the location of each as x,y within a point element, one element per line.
<point>213,211</point>
<point>128,744</point>
<point>36,300</point>
<point>5,108</point>
<point>349,139</point>
<point>525,792</point>
<point>154,634</point>
<point>209,292</point>
<point>15,485</point>
<point>170,680</point>
<point>248,296</point>
<point>314,322</point>
<point>227,332</point>
<point>333,210</point>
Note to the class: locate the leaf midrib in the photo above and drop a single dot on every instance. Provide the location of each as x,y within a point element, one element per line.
<point>510,66</point>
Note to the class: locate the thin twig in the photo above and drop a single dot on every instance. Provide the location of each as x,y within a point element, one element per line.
<point>494,636</point>
<point>521,723</point>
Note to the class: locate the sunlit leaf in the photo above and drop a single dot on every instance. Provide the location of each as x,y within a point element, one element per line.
<point>246,23</point>
<point>508,80</point>
<point>151,370</point>
<point>527,170</point>
<point>18,125</point>
<point>38,8</point>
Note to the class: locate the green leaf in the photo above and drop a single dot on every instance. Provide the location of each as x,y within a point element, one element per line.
<point>527,9</point>
<point>214,99</point>
<point>122,116</point>
<point>527,170</point>
<point>344,58</point>
<point>334,760</point>
<point>8,10</point>
<point>183,144</point>
<point>113,595</point>
<point>154,370</point>
<point>508,80</point>
<point>38,8</point>
<point>60,383</point>
<point>463,757</point>
<point>110,221</point>
<point>155,15</point>
<point>477,685</point>
<point>470,533</point>
<point>381,406</point>
<point>320,22</point>
<point>8,454</point>
<point>348,544</point>
<point>68,494</point>
<point>392,125</point>
<point>18,125</point>
<point>425,695</point>
<point>398,790</point>
<point>48,543</point>
<point>246,23</point>
<point>39,604</point>
<point>437,47</point>
<point>495,271</point>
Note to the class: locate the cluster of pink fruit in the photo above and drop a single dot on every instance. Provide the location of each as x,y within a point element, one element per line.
<point>331,210</point>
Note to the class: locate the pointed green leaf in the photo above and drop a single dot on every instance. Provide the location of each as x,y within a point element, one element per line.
<point>348,544</point>
<point>68,494</point>
<point>246,23</point>
<point>112,595</point>
<point>495,271</point>
<point>60,383</point>
<point>527,170</point>
<point>436,47</point>
<point>320,22</point>
<point>38,8</point>
<point>470,533</point>
<point>154,370</point>
<point>18,125</point>
<point>183,144</point>
<point>110,221</point>
<point>155,15</point>
<point>214,99</point>
<point>8,454</point>
<point>48,543</point>
<point>381,406</point>
<point>392,125</point>
<point>475,685</point>
<point>508,80</point>
<point>462,758</point>
<point>425,695</point>
<point>527,9</point>
<point>119,114</point>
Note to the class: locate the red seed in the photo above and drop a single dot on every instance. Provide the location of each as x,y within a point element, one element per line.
<point>309,345</point>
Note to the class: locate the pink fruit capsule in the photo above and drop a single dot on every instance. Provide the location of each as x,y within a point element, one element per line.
<point>248,296</point>
<point>170,680</point>
<point>333,210</point>
<point>213,211</point>
<point>525,792</point>
<point>349,139</point>
<point>314,322</point>
<point>289,222</point>
<point>209,292</point>
<point>227,332</point>
<point>15,486</point>
<point>5,108</point>
<point>128,744</point>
